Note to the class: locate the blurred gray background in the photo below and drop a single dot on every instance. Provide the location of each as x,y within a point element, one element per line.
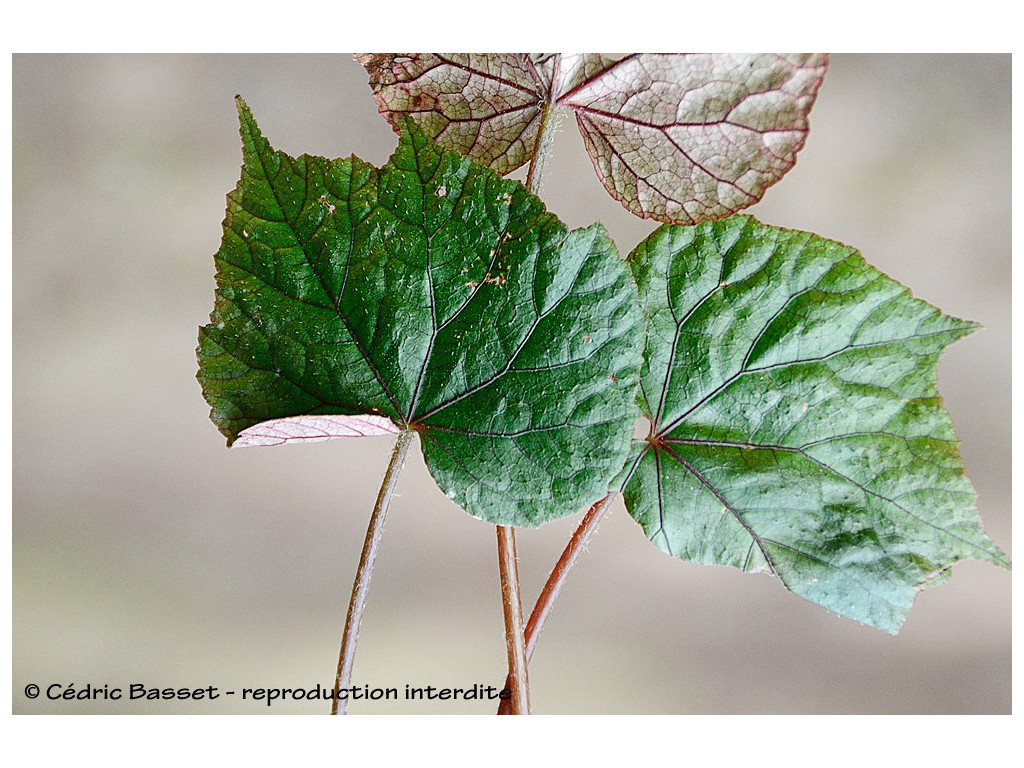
<point>144,551</point>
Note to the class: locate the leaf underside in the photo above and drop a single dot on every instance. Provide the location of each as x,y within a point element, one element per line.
<point>434,294</point>
<point>685,138</point>
<point>484,105</point>
<point>313,429</point>
<point>680,138</point>
<point>796,424</point>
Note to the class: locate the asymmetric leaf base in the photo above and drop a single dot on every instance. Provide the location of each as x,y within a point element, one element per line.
<point>437,296</point>
<point>795,423</point>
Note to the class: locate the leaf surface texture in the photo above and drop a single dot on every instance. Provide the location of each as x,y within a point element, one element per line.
<point>436,294</point>
<point>796,424</point>
<point>681,138</point>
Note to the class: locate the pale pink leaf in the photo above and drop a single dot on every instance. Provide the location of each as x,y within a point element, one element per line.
<point>688,137</point>
<point>486,106</point>
<point>313,429</point>
<point>677,137</point>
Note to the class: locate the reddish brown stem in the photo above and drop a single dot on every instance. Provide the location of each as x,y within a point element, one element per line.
<point>559,573</point>
<point>512,604</point>
<point>518,678</point>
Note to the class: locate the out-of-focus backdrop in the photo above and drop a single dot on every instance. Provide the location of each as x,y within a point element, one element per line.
<point>146,552</point>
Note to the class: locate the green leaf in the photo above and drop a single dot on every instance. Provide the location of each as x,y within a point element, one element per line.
<point>436,294</point>
<point>796,424</point>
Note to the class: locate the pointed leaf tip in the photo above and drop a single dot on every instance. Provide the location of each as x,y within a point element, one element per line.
<point>245,117</point>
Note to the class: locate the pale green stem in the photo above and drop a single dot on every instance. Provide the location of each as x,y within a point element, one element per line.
<point>544,134</point>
